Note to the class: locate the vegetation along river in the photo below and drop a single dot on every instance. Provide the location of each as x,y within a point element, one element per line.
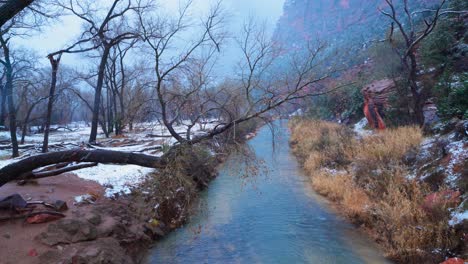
<point>273,217</point>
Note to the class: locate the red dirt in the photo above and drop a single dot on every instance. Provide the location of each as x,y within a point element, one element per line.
<point>17,244</point>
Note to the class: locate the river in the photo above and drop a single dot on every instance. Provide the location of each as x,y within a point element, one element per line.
<point>273,217</point>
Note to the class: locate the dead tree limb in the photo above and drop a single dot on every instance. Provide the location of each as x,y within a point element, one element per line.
<point>16,170</point>
<point>44,174</point>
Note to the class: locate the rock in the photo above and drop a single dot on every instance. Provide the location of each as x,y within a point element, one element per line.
<point>430,115</point>
<point>94,219</point>
<point>14,201</point>
<point>43,218</point>
<point>461,130</point>
<point>154,231</point>
<point>449,126</point>
<point>68,231</point>
<point>376,97</point>
<point>32,253</point>
<point>85,199</point>
<point>60,205</point>
<point>410,157</point>
<point>438,200</point>
<point>453,261</point>
<point>100,251</point>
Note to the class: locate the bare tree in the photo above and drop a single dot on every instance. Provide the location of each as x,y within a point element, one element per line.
<point>104,32</point>
<point>8,68</point>
<point>54,62</point>
<point>258,90</point>
<point>117,79</point>
<point>413,35</point>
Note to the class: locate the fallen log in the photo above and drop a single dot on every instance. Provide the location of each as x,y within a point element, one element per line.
<point>157,136</point>
<point>15,170</point>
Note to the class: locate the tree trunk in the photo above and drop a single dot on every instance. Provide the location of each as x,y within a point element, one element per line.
<point>417,97</point>
<point>118,116</point>
<point>3,105</point>
<point>97,95</point>
<point>110,112</point>
<point>54,63</point>
<point>103,121</point>
<point>9,94</point>
<point>25,123</point>
<point>12,7</point>
<point>18,169</point>
<point>12,113</point>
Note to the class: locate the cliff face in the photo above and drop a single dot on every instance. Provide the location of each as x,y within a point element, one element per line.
<point>350,23</point>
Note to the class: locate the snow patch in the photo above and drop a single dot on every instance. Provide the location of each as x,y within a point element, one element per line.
<point>118,179</point>
<point>359,128</point>
<point>458,154</point>
<point>459,217</point>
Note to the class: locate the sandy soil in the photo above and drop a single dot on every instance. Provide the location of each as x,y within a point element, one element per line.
<point>17,243</point>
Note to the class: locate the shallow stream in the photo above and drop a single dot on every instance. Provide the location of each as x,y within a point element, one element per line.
<point>272,217</point>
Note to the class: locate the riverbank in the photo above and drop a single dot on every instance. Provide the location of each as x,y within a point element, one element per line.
<point>376,181</point>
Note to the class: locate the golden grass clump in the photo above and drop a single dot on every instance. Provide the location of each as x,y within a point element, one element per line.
<point>321,143</point>
<point>387,146</point>
<point>340,188</point>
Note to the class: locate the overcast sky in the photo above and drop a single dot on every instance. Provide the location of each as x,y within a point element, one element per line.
<point>63,32</point>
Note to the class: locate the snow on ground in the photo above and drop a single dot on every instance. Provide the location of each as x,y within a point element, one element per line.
<point>359,128</point>
<point>115,178</point>
<point>459,153</point>
<point>458,217</point>
<point>118,179</point>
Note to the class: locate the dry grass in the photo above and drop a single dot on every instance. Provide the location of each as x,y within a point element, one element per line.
<point>321,143</point>
<point>371,186</point>
<point>411,233</point>
<point>340,188</point>
<point>388,146</point>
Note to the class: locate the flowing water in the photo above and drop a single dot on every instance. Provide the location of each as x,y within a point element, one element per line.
<point>272,217</point>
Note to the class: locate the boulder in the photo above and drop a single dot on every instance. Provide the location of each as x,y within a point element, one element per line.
<point>376,99</point>
<point>43,218</point>
<point>430,114</point>
<point>453,261</point>
<point>68,231</point>
<point>102,251</point>
<point>437,200</point>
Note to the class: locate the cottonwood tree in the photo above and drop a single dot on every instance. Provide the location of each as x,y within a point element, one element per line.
<point>413,34</point>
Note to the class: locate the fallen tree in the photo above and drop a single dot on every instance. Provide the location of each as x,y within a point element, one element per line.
<point>25,166</point>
